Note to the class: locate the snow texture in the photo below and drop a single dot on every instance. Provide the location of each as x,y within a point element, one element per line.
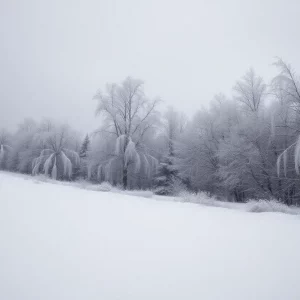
<point>251,206</point>
<point>59,242</point>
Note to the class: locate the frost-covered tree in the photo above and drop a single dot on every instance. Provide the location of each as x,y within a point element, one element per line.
<point>286,124</point>
<point>199,145</point>
<point>250,91</point>
<point>82,169</point>
<point>246,164</point>
<point>24,147</point>
<point>5,148</point>
<point>287,84</point>
<point>85,147</point>
<point>128,117</point>
<point>167,180</point>
<point>57,156</point>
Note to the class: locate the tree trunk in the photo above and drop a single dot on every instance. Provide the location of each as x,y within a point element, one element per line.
<point>125,177</point>
<point>125,166</point>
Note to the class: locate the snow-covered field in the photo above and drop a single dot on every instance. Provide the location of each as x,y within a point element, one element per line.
<point>60,242</point>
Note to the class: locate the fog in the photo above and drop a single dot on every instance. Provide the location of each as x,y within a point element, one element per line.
<point>54,55</point>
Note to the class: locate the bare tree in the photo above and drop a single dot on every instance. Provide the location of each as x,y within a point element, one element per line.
<point>250,91</point>
<point>25,148</point>
<point>127,115</point>
<point>287,84</point>
<point>4,146</point>
<point>286,89</point>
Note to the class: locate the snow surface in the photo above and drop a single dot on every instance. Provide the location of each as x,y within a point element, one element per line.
<point>60,242</point>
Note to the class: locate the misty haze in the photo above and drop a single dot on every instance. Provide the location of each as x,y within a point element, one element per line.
<point>149,150</point>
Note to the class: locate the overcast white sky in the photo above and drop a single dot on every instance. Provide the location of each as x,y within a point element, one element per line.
<point>55,54</point>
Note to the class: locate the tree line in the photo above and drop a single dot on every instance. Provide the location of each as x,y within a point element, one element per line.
<point>241,147</point>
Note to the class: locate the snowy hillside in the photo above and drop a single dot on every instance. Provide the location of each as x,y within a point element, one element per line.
<point>60,242</point>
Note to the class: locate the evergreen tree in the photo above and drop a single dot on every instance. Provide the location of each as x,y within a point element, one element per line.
<point>167,181</point>
<point>83,153</point>
<point>84,147</point>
